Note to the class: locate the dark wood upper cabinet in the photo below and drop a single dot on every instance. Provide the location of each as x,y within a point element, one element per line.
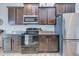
<point>70,8</point>
<point>51,16</point>
<point>31,8</point>
<point>42,16</point>
<point>11,15</point>
<point>19,18</point>
<point>46,15</point>
<point>15,15</point>
<point>60,8</point>
<point>65,8</point>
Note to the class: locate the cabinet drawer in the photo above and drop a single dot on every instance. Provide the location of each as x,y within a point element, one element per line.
<point>43,44</point>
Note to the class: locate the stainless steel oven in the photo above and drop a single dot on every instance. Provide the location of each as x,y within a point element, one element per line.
<point>30,36</point>
<point>29,41</point>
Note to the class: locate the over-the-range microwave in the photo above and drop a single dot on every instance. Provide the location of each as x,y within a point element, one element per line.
<point>30,19</point>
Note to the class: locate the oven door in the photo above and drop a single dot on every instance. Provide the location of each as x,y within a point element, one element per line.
<point>30,40</point>
<point>30,44</point>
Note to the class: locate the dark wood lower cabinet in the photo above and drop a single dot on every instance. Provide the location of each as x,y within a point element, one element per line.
<point>15,44</point>
<point>43,44</point>
<point>53,44</point>
<point>48,43</point>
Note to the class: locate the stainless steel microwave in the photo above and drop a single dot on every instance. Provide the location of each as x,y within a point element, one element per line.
<point>30,19</point>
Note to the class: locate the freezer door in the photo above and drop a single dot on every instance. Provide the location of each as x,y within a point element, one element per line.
<point>70,47</point>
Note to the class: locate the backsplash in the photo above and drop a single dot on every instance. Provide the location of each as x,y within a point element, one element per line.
<point>10,29</point>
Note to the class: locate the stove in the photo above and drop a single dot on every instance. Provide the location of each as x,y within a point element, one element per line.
<point>30,39</point>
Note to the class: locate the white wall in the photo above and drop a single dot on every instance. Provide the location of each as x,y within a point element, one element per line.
<point>10,28</point>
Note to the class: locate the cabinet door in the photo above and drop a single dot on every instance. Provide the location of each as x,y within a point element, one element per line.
<point>53,44</point>
<point>0,40</point>
<point>27,9</point>
<point>16,44</point>
<point>43,44</point>
<point>7,45</point>
<point>35,9</point>
<point>60,8</point>
<point>15,15</point>
<point>43,16</point>
<point>19,18</point>
<point>30,9</point>
<point>11,15</point>
<point>51,15</point>
<point>65,8</point>
<point>70,7</point>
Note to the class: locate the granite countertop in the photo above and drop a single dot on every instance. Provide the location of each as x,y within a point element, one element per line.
<point>15,32</point>
<point>40,33</point>
<point>47,33</point>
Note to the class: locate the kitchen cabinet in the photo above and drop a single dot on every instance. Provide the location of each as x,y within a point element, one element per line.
<point>60,8</point>
<point>7,44</point>
<point>19,18</point>
<point>16,44</point>
<point>0,40</point>
<point>48,43</point>
<point>65,8</point>
<point>70,8</point>
<point>70,47</point>
<point>42,16</point>
<point>12,43</point>
<point>11,15</point>
<point>15,15</point>
<point>31,8</point>
<point>51,16</point>
<point>53,43</point>
<point>46,15</point>
<point>43,44</point>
